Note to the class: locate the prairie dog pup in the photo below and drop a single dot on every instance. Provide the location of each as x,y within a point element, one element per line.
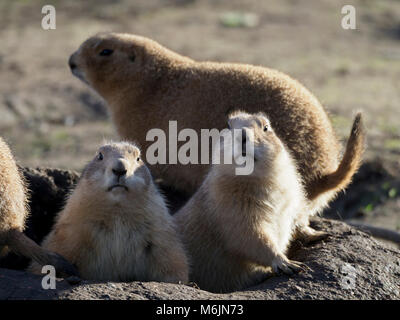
<point>146,85</point>
<point>13,213</point>
<point>237,225</point>
<point>116,226</point>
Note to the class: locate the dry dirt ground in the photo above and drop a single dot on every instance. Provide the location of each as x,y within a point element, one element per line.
<point>53,120</point>
<point>351,265</point>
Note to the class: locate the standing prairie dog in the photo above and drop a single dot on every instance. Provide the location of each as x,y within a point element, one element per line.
<point>116,226</point>
<point>237,225</point>
<point>13,213</point>
<point>145,85</point>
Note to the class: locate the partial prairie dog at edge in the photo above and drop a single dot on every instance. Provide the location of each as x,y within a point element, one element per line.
<point>116,225</point>
<point>13,214</point>
<point>146,85</point>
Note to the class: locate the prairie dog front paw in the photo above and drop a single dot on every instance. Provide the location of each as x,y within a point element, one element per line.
<point>286,266</point>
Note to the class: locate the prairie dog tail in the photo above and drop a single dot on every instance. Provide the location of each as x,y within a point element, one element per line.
<point>20,244</point>
<point>349,165</point>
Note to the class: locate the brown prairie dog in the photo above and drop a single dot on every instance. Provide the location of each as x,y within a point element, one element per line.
<point>116,226</point>
<point>13,213</point>
<point>235,226</point>
<point>146,85</point>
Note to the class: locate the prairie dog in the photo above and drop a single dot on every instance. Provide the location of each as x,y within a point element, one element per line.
<point>145,85</point>
<point>13,213</point>
<point>235,226</point>
<point>115,225</point>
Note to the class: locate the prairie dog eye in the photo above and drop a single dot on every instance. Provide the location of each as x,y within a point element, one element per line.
<point>106,52</point>
<point>138,159</point>
<point>100,156</point>
<point>266,128</point>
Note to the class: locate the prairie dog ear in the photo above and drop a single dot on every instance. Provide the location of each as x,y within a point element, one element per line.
<point>264,118</point>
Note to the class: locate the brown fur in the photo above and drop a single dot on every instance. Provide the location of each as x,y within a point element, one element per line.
<point>13,213</point>
<point>120,233</point>
<point>145,85</point>
<point>234,227</point>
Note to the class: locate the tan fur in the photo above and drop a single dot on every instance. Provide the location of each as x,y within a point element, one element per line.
<point>13,202</point>
<point>234,227</point>
<point>145,85</point>
<point>13,213</point>
<point>119,234</point>
<point>348,166</point>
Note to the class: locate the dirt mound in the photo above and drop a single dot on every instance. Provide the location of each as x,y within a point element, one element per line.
<point>348,265</point>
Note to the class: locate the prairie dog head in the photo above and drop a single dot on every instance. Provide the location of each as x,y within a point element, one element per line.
<point>105,61</point>
<point>116,171</point>
<point>113,62</point>
<point>255,146</point>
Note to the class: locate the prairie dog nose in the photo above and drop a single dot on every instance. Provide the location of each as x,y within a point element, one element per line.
<point>119,168</point>
<point>71,62</point>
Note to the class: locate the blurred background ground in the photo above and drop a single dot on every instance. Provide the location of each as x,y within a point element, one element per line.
<point>51,119</point>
